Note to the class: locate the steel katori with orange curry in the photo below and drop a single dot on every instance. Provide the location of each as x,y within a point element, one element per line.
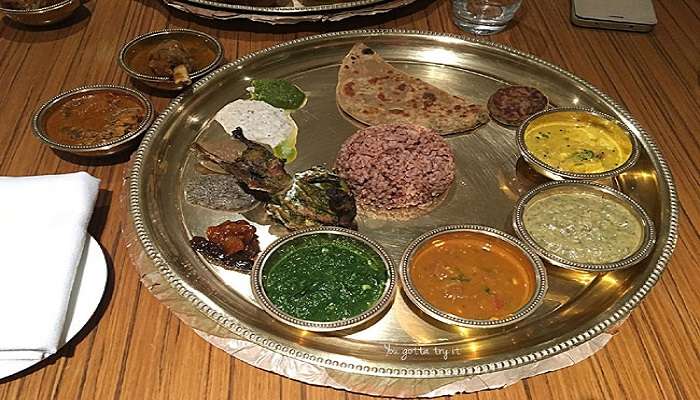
<point>472,275</point>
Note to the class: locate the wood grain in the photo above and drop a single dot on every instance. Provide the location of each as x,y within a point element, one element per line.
<point>135,349</point>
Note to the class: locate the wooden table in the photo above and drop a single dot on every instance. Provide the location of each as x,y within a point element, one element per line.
<point>138,350</point>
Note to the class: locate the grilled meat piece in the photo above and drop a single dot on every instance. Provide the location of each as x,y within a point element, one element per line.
<point>311,198</point>
<point>256,167</point>
<point>170,58</point>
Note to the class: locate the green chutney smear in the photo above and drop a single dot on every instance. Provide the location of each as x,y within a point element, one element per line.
<point>278,93</point>
<point>324,277</point>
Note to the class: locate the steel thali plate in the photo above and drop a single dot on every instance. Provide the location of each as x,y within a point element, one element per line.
<point>489,179</point>
<point>286,15</point>
<point>289,7</point>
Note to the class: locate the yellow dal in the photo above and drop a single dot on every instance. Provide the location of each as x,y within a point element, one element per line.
<point>578,142</point>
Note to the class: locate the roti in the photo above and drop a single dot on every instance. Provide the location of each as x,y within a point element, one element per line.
<point>373,92</point>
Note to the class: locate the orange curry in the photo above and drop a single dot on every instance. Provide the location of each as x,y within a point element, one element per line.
<point>472,275</point>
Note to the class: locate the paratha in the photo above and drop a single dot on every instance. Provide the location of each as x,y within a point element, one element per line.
<point>374,92</point>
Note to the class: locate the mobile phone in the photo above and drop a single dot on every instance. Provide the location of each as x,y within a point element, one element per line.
<point>628,15</point>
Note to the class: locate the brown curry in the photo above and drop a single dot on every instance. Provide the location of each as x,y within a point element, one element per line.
<point>89,119</point>
<point>472,275</point>
<point>200,55</point>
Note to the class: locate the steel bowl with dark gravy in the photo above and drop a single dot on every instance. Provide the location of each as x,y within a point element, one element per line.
<point>39,12</point>
<point>93,120</point>
<point>170,59</point>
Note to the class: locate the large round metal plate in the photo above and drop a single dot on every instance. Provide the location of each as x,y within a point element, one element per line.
<point>294,7</point>
<point>286,15</point>
<point>490,178</point>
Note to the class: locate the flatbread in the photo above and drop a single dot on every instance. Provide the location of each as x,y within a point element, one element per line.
<point>373,92</point>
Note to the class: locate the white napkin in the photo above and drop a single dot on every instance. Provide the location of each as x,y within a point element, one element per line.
<point>43,222</point>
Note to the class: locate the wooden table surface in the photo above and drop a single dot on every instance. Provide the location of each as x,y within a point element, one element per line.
<point>136,349</point>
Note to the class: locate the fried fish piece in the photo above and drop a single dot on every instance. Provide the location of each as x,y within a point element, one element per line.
<point>317,197</point>
<point>256,167</point>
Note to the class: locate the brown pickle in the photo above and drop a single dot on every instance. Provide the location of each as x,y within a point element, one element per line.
<point>232,245</point>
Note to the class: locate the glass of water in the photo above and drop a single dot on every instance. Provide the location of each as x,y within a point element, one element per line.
<point>484,17</point>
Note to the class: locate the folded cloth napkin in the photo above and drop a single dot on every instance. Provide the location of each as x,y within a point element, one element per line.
<point>43,229</point>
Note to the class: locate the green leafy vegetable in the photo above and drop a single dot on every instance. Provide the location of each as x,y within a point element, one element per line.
<point>324,278</point>
<point>278,93</point>
<point>585,155</point>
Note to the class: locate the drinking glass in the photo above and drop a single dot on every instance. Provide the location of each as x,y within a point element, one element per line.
<point>484,17</point>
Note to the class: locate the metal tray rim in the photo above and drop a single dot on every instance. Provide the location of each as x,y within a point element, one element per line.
<point>288,10</point>
<point>240,329</point>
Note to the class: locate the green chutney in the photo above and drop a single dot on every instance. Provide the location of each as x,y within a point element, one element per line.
<point>278,93</point>
<point>324,277</point>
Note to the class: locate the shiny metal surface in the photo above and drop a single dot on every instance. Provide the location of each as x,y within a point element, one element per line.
<point>553,173</point>
<point>221,12</point>
<point>538,271</point>
<point>490,177</point>
<point>644,249</point>
<point>294,7</point>
<point>45,15</point>
<point>108,148</point>
<point>165,82</point>
<point>365,319</point>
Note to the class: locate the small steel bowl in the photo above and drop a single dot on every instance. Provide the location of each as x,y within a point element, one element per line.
<point>44,15</point>
<point>645,247</point>
<point>538,270</point>
<point>142,43</point>
<point>557,174</point>
<point>382,303</point>
<point>108,148</point>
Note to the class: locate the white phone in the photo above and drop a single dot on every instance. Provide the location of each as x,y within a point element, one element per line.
<point>628,15</point>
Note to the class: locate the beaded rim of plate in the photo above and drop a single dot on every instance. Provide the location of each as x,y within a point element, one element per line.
<point>289,10</point>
